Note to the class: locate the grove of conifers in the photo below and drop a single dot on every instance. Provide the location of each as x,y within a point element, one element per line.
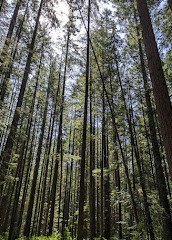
<point>86,119</point>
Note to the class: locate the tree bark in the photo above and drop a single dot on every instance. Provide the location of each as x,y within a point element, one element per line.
<point>160,91</point>
<point>48,156</point>
<point>7,72</point>
<point>55,176</point>
<point>22,158</point>
<point>64,224</point>
<point>138,161</point>
<point>107,206</point>
<point>117,134</point>
<point>9,34</point>
<point>26,180</point>
<point>92,165</point>
<point>160,178</point>
<point>35,175</point>
<point>98,184</point>
<point>82,175</point>
<point>5,157</point>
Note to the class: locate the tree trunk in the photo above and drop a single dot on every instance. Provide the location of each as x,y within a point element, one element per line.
<point>82,175</point>
<point>66,190</point>
<point>160,90</point>
<point>5,157</point>
<point>7,73</point>
<point>98,184</point>
<point>107,206</point>
<point>9,35</point>
<point>138,161</point>
<point>26,180</point>
<point>48,155</point>
<point>118,185</point>
<point>35,175</point>
<point>54,184</point>
<point>160,178</point>
<point>60,192</point>
<point>118,138</point>
<point>49,188</point>
<point>92,165</point>
<point>22,158</point>
<point>70,194</point>
<point>149,149</point>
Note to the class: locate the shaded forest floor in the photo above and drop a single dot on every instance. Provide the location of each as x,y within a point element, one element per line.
<point>58,236</point>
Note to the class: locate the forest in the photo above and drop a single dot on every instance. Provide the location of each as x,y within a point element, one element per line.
<point>86,119</point>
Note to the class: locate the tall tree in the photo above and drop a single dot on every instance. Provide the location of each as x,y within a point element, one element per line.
<point>7,70</point>
<point>160,178</point>
<point>160,90</point>
<point>59,139</point>
<point>5,157</point>
<point>38,156</point>
<point>22,158</point>
<point>84,134</point>
<point>92,166</point>
<point>9,34</point>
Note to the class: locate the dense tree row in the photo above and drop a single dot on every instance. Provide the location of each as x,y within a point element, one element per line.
<point>86,119</point>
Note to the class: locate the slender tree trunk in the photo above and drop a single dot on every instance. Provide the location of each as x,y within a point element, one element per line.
<point>9,34</point>
<point>82,175</point>
<point>148,218</point>
<point>98,184</point>
<point>35,175</point>
<point>70,194</point>
<point>107,206</point>
<point>160,90</point>
<point>66,190</point>
<point>117,134</point>
<point>92,165</point>
<point>106,188</point>
<point>49,188</point>
<point>60,193</point>
<point>138,160</point>
<point>149,150</point>
<point>118,185</point>
<point>121,150</point>
<point>43,187</point>
<point>64,225</point>
<point>22,158</point>
<point>48,155</point>
<point>55,176</point>
<point>7,73</point>
<point>27,177</point>
<point>5,157</point>
<point>102,171</point>
<point>133,170</point>
<point>120,204</point>
<point>74,207</point>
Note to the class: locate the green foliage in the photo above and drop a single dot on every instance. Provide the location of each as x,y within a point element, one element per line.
<point>56,236</point>
<point>4,236</point>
